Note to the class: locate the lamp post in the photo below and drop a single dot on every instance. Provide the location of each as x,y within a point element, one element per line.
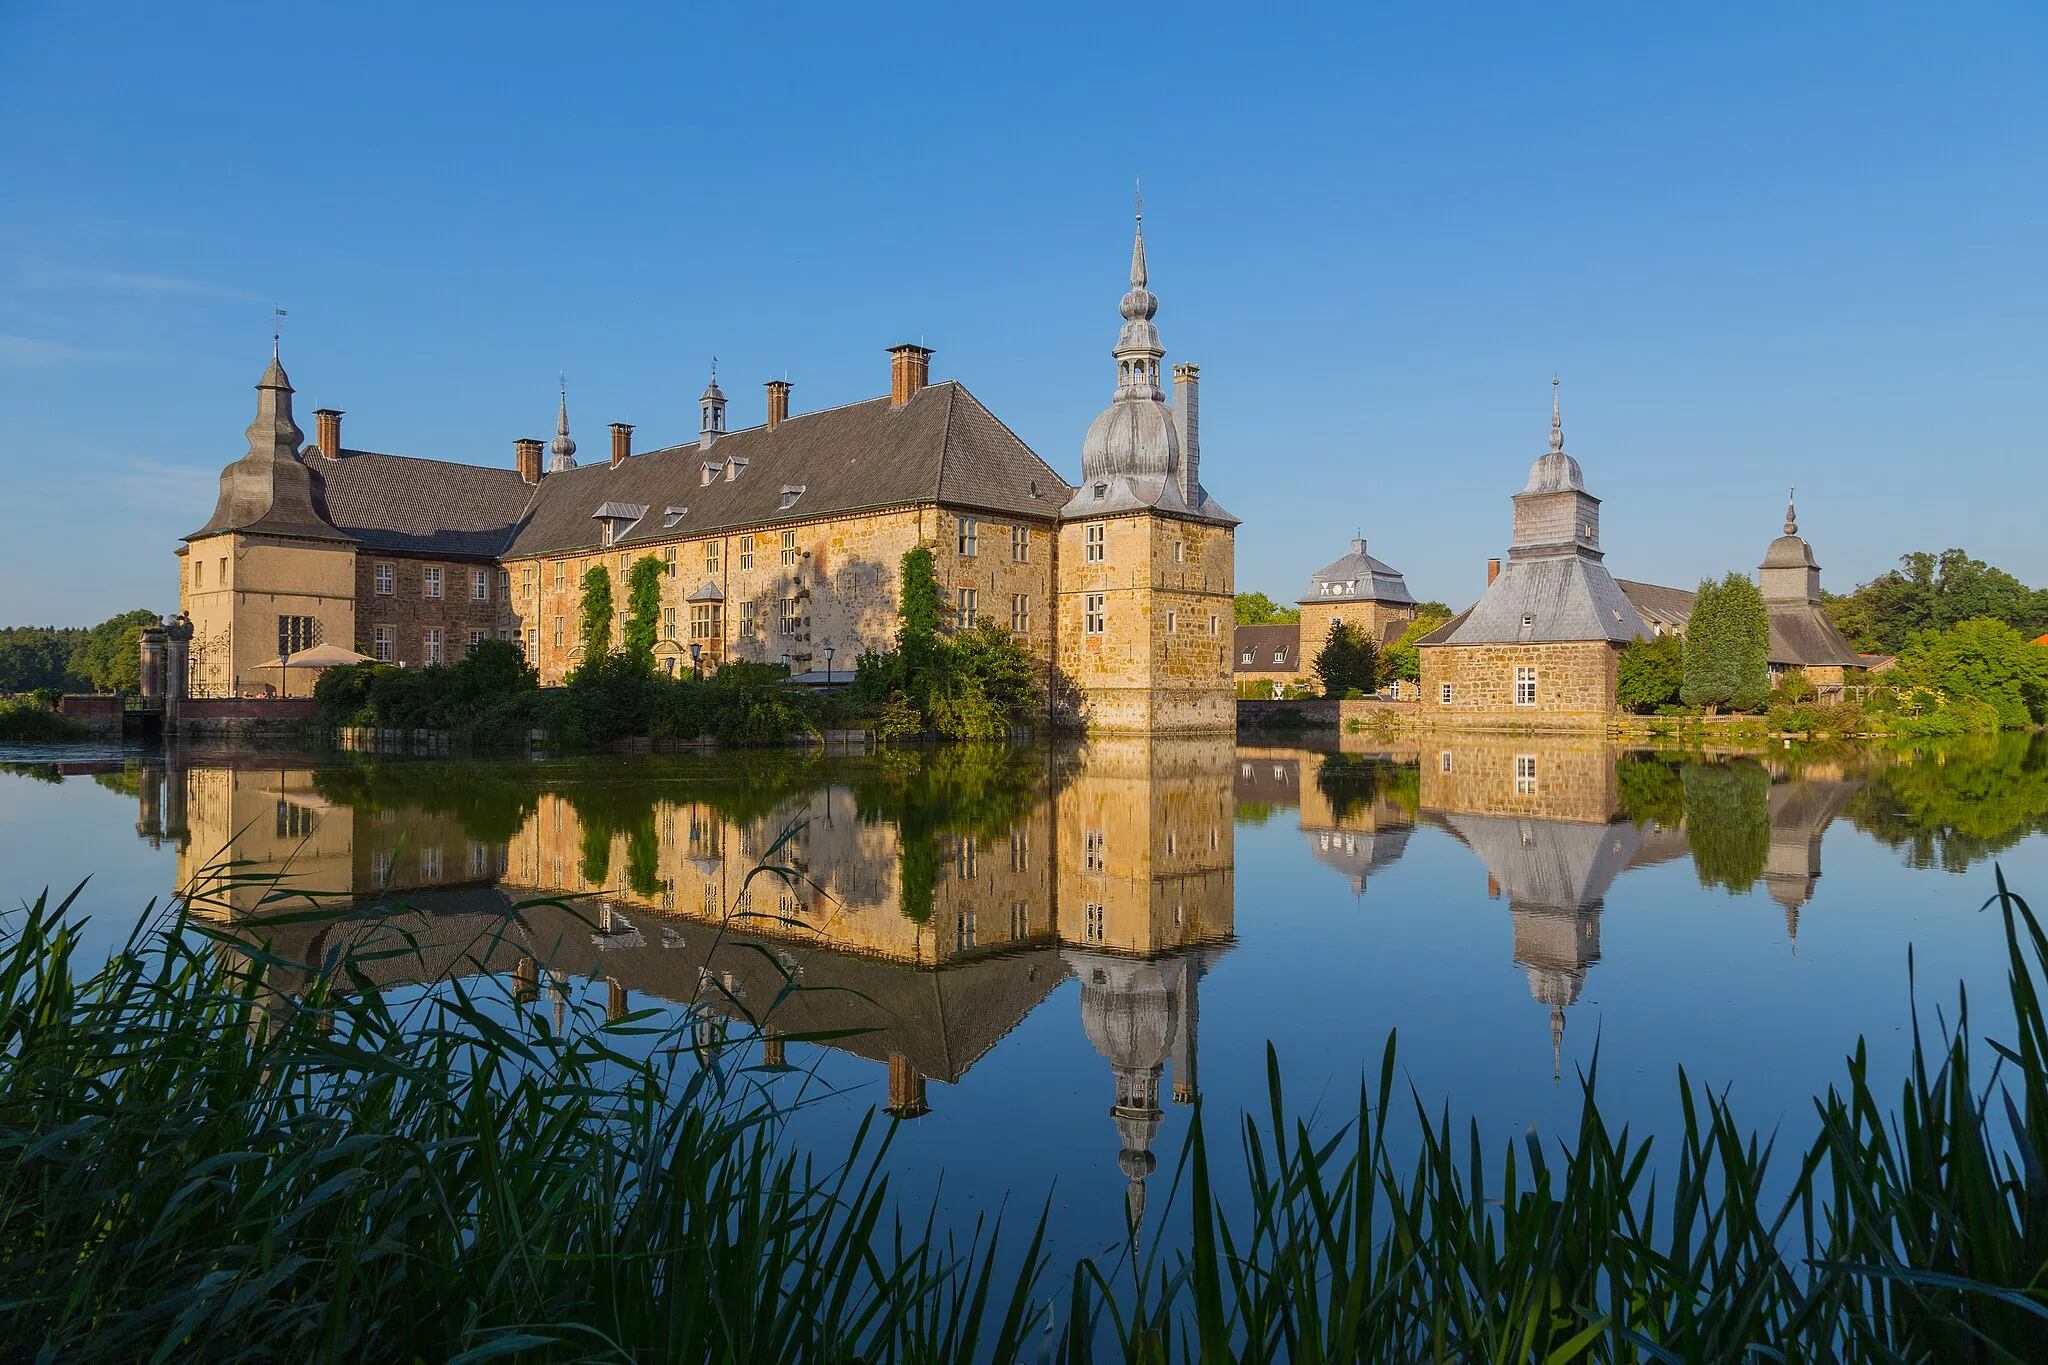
<point>696,653</point>
<point>828,665</point>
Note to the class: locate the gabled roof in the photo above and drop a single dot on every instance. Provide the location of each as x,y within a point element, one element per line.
<point>942,445</point>
<point>1263,643</point>
<point>1802,635</point>
<point>402,505</point>
<point>1668,607</point>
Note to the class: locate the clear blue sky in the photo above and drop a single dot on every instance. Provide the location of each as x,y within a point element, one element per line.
<point>1762,244</point>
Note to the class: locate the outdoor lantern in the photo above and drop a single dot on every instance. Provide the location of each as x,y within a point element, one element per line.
<point>828,665</point>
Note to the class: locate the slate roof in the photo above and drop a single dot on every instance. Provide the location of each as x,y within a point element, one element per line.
<point>1668,607</point>
<point>1366,579</point>
<point>942,445</point>
<point>1802,634</point>
<point>1561,597</point>
<point>1263,642</point>
<point>402,505</point>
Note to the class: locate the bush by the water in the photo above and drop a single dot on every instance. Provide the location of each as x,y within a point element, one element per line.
<point>34,720</point>
<point>195,1166</point>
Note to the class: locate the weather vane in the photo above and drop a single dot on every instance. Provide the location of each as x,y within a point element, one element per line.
<point>278,315</point>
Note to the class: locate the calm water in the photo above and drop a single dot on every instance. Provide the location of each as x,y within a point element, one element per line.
<point>1049,953</point>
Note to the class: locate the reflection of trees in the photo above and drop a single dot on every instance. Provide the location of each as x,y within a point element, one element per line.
<point>1728,821</point>
<point>1650,789</point>
<point>1959,804</point>
<point>1351,782</point>
<point>980,789</point>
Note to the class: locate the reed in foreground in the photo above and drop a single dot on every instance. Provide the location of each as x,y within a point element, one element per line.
<point>190,1168</point>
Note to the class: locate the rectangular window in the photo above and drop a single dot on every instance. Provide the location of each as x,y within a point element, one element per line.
<point>532,644</point>
<point>1180,552</point>
<point>1020,545</point>
<point>1020,850</point>
<point>1020,919</point>
<point>965,855</point>
<point>432,578</point>
<point>1094,613</point>
<point>504,585</point>
<point>561,572</point>
<point>711,556</point>
<point>430,864</point>
<point>479,585</point>
<point>1444,695</point>
<point>789,550</point>
<point>969,529</point>
<point>295,633</point>
<point>477,637</point>
<point>750,618</point>
<point>786,617</point>
<point>1020,613</point>
<point>199,573</point>
<point>1212,623</point>
<point>1093,931</point>
<point>294,822</point>
<point>668,560</point>
<point>558,632</point>
<point>1525,687</point>
<point>387,579</point>
<point>1093,855</point>
<point>1096,537</point>
<point>668,623</point>
<point>384,644</point>
<point>1173,623</point>
<point>746,552</point>
<point>504,634</point>
<point>530,578</point>
<point>963,618</point>
<point>433,643</point>
<point>707,621</point>
<point>963,937</point>
<point>1279,656</point>
<point>1445,762</point>
<point>1525,774</point>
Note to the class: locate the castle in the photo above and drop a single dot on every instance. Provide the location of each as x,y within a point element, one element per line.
<point>781,542</point>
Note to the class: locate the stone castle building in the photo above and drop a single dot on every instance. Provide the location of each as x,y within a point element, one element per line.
<point>1542,646</point>
<point>781,542</point>
<point>1357,590</point>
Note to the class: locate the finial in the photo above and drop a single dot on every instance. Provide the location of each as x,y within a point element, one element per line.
<point>1791,517</point>
<point>1556,422</point>
<point>1138,245</point>
<point>1556,1042</point>
<point>562,422</point>
<point>277,317</point>
<point>714,369</point>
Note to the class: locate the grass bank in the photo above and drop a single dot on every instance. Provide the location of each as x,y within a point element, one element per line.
<point>192,1166</point>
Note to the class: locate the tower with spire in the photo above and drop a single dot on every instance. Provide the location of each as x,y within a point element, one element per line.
<point>563,447</point>
<point>1147,560</point>
<point>1804,638</point>
<point>1543,645</point>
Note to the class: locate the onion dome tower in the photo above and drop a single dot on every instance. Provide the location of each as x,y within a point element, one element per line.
<point>563,446</point>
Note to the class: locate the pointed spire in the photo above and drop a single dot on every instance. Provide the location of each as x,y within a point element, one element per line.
<point>1791,516</point>
<point>1556,421</point>
<point>1138,244</point>
<point>1556,1042</point>
<point>563,446</point>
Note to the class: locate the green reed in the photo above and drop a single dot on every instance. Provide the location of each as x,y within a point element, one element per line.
<point>194,1167</point>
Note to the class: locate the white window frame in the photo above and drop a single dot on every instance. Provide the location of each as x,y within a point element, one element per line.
<point>1020,613</point>
<point>432,643</point>
<point>1525,684</point>
<point>387,580</point>
<point>969,537</point>
<point>1525,775</point>
<point>384,644</point>
<point>430,582</point>
<point>966,609</point>
<point>1020,544</point>
<point>1095,613</point>
<point>790,554</point>
<point>1444,694</point>
<point>1095,539</point>
<point>480,585</point>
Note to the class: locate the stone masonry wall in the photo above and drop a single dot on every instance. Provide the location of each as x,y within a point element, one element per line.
<point>408,613</point>
<point>1575,683</point>
<point>1540,779</point>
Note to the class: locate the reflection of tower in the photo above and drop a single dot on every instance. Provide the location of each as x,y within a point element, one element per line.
<point>1801,810</point>
<point>149,813</point>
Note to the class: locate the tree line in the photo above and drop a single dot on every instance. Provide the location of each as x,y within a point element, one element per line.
<point>102,658</point>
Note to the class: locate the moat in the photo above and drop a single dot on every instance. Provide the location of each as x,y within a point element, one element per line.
<point>1040,957</point>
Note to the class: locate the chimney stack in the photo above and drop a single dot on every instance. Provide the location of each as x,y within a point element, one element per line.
<point>1492,571</point>
<point>910,369</point>
<point>778,402</point>
<point>526,459</point>
<point>1187,413</point>
<point>327,428</point>
<point>622,443</point>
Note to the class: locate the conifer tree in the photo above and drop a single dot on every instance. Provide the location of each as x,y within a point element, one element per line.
<point>1347,662</point>
<point>1727,646</point>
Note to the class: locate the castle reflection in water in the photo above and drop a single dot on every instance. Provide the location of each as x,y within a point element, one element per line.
<point>937,898</point>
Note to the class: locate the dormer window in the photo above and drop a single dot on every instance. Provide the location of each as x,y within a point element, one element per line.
<point>790,493</point>
<point>735,467</point>
<point>1101,491</point>
<point>606,534</point>
<point>711,469</point>
<point>673,515</point>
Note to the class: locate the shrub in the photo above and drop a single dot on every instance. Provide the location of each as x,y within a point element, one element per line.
<point>28,723</point>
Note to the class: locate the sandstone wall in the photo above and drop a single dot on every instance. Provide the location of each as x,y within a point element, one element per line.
<point>1575,683</point>
<point>235,586</point>
<point>1538,778</point>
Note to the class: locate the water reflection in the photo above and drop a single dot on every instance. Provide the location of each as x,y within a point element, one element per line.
<point>938,899</point>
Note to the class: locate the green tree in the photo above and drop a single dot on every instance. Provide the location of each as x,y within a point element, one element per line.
<point>597,614</point>
<point>111,656</point>
<point>1727,646</point>
<point>1935,592</point>
<point>919,608</point>
<point>1347,662</point>
<point>1983,659</point>
<point>1257,609</point>
<point>1652,673</point>
<point>643,610</point>
<point>1402,659</point>
<point>40,656</point>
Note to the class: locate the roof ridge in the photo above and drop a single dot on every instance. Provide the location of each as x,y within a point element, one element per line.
<point>347,451</point>
<point>1012,434</point>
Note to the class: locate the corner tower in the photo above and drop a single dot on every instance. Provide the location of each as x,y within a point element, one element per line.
<point>1147,560</point>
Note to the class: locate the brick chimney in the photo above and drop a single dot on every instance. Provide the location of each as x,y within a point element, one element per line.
<point>778,402</point>
<point>526,459</point>
<point>622,443</point>
<point>1492,571</point>
<point>910,369</point>
<point>327,429</point>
